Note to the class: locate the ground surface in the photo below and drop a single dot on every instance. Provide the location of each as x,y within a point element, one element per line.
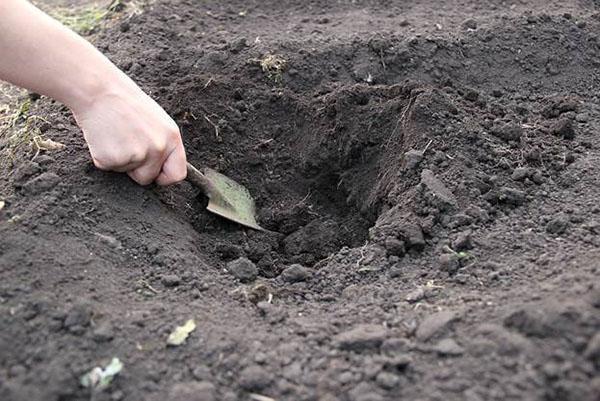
<point>432,167</point>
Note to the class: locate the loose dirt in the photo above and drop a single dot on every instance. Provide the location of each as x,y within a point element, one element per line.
<point>430,171</point>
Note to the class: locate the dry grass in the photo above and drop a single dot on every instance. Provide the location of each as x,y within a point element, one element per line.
<point>274,66</point>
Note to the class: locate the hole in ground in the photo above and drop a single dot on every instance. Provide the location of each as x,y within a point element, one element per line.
<point>316,166</point>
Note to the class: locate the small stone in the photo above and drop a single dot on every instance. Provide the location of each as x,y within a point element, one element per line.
<point>582,117</point>
<point>508,131</point>
<point>520,173</point>
<point>581,24</point>
<point>387,380</point>
<point>170,280</point>
<point>78,318</point>
<point>254,378</point>
<point>434,324</point>
<point>103,332</point>
<point>413,236</point>
<point>448,347</point>
<point>529,321</point>
<point>438,190</point>
<point>238,45</point>
<point>361,337</point>
<point>470,24</point>
<point>449,262</point>
<point>109,240</point>
<point>124,26</point>
<point>295,273</point>
<point>511,196</point>
<point>395,271</point>
<point>243,269</point>
<point>41,183</point>
<point>557,225</point>
<point>364,392</point>
<point>471,95</point>
<point>395,247</point>
<point>201,372</point>
<point>463,242</point>
<point>415,296</point>
<point>412,159</point>
<point>564,128</point>
<point>44,160</point>
<point>193,391</point>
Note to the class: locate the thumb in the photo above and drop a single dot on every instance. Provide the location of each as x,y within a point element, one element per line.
<point>174,168</point>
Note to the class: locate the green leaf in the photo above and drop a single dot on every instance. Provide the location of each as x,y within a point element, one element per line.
<point>181,333</point>
<point>98,378</point>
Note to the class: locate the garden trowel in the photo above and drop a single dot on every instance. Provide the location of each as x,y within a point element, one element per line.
<point>226,197</point>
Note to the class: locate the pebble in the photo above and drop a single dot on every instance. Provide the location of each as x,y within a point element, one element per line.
<point>254,378</point>
<point>415,296</point>
<point>449,262</point>
<point>520,173</point>
<point>558,225</point>
<point>412,159</point>
<point>295,273</point>
<point>387,380</point>
<point>438,190</point>
<point>448,347</point>
<point>78,318</point>
<point>170,280</point>
<point>103,332</point>
<point>193,391</point>
<point>41,183</point>
<point>434,324</point>
<point>243,269</point>
<point>394,246</point>
<point>463,241</point>
<point>582,117</point>
<point>364,336</point>
<point>470,24</point>
<point>44,160</point>
<point>109,240</point>
<point>412,235</point>
<point>564,128</point>
<point>364,392</point>
<point>511,196</point>
<point>508,131</point>
<point>201,372</point>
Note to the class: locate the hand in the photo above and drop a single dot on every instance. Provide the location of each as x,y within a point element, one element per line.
<point>127,131</point>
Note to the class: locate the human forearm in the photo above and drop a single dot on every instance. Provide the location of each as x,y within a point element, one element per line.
<point>124,128</point>
<point>40,54</point>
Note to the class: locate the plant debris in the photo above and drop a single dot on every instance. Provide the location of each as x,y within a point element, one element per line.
<point>181,333</point>
<point>47,144</point>
<point>98,379</point>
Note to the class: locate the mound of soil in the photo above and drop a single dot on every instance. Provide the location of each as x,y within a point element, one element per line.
<point>430,174</point>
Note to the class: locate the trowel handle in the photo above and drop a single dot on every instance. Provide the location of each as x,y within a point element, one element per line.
<point>196,178</point>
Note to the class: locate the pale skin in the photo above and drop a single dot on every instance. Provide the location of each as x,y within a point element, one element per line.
<point>126,131</point>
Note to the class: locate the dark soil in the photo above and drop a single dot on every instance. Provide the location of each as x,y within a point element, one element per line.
<point>431,170</point>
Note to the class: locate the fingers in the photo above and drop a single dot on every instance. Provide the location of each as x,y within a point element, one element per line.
<point>145,174</point>
<point>174,168</point>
